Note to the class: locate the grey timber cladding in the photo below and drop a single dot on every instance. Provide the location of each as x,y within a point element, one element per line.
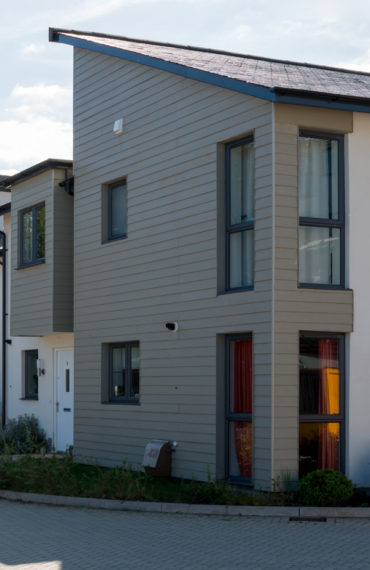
<point>41,294</point>
<point>168,267</point>
<point>297,309</point>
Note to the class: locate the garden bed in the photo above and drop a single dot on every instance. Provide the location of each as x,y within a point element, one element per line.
<point>60,475</point>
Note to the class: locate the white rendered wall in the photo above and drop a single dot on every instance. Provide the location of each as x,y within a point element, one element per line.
<point>43,408</point>
<point>358,380</point>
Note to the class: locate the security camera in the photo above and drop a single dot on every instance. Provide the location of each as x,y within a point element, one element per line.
<point>173,327</point>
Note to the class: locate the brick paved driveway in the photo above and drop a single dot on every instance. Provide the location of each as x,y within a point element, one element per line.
<point>57,538</point>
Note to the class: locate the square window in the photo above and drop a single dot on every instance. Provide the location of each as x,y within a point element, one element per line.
<point>31,380</point>
<point>32,235</point>
<point>124,372</point>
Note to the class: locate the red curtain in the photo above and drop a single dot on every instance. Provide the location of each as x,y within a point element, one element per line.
<point>243,404</point>
<point>328,403</point>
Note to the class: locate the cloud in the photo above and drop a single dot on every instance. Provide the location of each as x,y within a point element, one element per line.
<point>8,172</point>
<point>45,93</point>
<point>38,126</point>
<point>361,63</point>
<point>24,143</point>
<point>30,49</point>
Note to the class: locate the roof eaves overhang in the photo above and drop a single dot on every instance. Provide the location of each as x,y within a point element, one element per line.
<point>35,170</point>
<point>316,99</point>
<point>189,72</point>
<point>5,208</point>
<point>272,94</point>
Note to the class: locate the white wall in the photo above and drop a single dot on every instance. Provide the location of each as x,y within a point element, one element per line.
<point>358,379</point>
<point>43,408</point>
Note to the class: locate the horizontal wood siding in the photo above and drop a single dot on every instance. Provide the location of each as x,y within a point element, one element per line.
<point>297,309</point>
<point>63,256</point>
<point>41,295</point>
<point>32,287</point>
<point>167,267</point>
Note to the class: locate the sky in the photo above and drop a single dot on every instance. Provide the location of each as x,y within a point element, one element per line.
<point>37,76</point>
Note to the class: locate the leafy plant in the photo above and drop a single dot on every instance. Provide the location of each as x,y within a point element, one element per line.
<point>325,487</point>
<point>22,435</point>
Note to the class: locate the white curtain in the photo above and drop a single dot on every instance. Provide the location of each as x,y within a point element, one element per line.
<point>241,210</point>
<point>319,247</point>
<point>318,178</point>
<point>319,255</point>
<point>241,183</point>
<point>241,259</point>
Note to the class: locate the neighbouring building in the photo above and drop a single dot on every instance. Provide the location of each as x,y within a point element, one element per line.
<point>38,340</point>
<point>220,276</point>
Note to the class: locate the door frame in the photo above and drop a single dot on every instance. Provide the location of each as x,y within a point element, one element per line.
<point>55,391</point>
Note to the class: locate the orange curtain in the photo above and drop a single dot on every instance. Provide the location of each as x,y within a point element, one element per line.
<point>328,404</point>
<point>243,404</point>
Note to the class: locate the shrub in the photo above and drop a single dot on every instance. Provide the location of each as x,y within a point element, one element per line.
<point>22,435</point>
<point>325,487</point>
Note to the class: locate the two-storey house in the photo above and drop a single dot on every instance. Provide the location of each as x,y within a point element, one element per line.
<point>37,314</point>
<point>220,275</point>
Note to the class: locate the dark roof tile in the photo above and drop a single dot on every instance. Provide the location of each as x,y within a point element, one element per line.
<point>264,72</point>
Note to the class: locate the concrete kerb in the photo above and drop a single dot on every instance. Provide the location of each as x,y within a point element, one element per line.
<point>298,513</point>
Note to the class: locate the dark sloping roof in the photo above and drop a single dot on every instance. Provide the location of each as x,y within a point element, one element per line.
<point>35,170</point>
<point>270,79</point>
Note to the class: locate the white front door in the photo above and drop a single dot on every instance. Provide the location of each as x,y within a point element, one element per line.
<point>63,399</point>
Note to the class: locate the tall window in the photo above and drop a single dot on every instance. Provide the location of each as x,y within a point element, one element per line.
<point>124,372</point>
<point>239,408</point>
<point>240,214</point>
<point>32,235</point>
<point>321,210</point>
<point>117,210</point>
<point>321,405</point>
<point>31,380</point>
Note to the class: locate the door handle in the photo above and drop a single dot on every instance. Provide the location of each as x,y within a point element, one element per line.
<point>57,406</point>
<point>66,409</point>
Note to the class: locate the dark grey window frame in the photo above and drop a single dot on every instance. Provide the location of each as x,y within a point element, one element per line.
<point>123,235</point>
<point>112,399</point>
<point>28,354</point>
<point>332,418</point>
<point>233,416</point>
<point>35,260</point>
<point>326,222</point>
<point>234,228</point>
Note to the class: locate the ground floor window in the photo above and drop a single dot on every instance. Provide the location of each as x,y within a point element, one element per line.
<point>124,372</point>
<point>321,402</point>
<point>31,379</point>
<point>239,407</point>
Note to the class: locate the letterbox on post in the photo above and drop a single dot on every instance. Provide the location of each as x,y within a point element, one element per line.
<point>157,458</point>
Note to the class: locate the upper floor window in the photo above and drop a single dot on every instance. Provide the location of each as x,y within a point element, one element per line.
<point>32,235</point>
<point>240,214</point>
<point>117,210</point>
<point>321,210</point>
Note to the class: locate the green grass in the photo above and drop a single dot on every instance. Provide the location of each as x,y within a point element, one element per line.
<point>64,477</point>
